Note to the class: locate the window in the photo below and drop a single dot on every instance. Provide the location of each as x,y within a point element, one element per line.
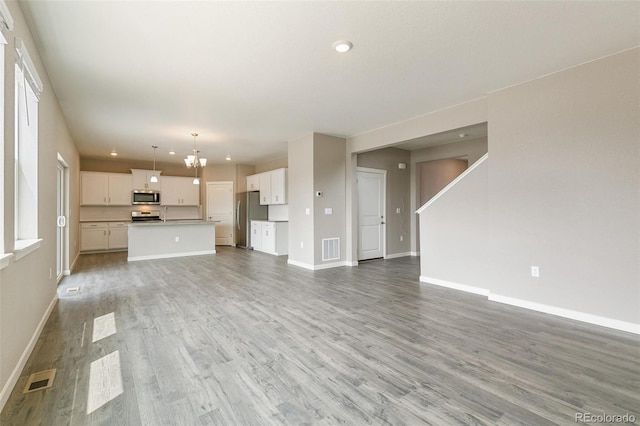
<point>6,24</point>
<point>28,87</point>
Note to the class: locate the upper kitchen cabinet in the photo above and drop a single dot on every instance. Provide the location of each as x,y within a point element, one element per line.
<point>272,185</point>
<point>265,188</point>
<point>105,189</point>
<point>253,183</point>
<point>279,186</point>
<point>142,179</point>
<point>179,191</point>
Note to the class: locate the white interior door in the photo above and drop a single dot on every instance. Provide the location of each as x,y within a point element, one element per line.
<point>61,221</point>
<point>220,210</point>
<point>371,208</point>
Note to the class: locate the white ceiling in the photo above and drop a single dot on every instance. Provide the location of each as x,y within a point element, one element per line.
<point>250,76</point>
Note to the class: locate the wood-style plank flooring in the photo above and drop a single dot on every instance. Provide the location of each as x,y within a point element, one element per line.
<point>242,338</point>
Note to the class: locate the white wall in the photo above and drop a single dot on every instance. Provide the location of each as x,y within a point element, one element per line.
<point>563,188</point>
<point>562,193</point>
<point>26,290</point>
<point>301,189</point>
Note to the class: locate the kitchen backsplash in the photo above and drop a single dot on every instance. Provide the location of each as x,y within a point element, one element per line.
<point>98,213</point>
<point>279,212</point>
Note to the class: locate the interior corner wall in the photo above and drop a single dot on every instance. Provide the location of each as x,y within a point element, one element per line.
<point>473,149</point>
<point>329,175</point>
<point>242,171</point>
<point>278,163</point>
<point>398,195</point>
<point>563,189</point>
<point>27,282</point>
<point>454,233</point>
<point>301,186</point>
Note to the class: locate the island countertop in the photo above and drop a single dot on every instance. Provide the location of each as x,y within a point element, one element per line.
<point>172,222</point>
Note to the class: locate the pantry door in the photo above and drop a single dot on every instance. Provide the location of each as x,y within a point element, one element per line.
<point>220,210</point>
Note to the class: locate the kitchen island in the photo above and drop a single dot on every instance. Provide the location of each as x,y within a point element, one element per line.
<point>177,238</point>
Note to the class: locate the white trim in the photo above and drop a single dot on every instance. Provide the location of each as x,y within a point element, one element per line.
<point>415,253</point>
<point>15,374</point>
<point>567,313</point>
<point>396,255</point>
<point>351,263</point>
<point>75,260</point>
<point>453,182</point>
<point>24,247</point>
<point>5,260</point>
<point>455,286</point>
<point>299,264</point>
<point>317,267</point>
<point>29,67</point>
<point>169,255</point>
<point>5,16</point>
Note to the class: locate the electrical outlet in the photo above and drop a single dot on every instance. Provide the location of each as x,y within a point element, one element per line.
<point>398,210</point>
<point>401,238</point>
<point>301,244</point>
<point>535,271</point>
<point>177,239</point>
<point>50,273</point>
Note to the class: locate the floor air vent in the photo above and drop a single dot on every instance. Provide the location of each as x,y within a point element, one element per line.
<point>40,381</point>
<point>73,290</point>
<point>331,249</point>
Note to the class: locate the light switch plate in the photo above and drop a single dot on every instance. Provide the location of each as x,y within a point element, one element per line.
<point>328,211</point>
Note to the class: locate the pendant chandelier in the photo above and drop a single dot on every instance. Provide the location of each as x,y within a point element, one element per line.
<point>194,161</point>
<point>154,177</point>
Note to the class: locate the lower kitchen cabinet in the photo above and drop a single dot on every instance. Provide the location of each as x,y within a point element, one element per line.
<point>99,236</point>
<point>270,237</point>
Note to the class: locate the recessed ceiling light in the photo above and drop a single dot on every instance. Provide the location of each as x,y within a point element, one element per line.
<point>114,154</point>
<point>462,135</point>
<point>342,46</point>
<point>172,152</point>
<point>228,157</point>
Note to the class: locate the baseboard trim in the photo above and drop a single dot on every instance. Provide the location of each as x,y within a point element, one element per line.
<point>15,374</point>
<point>455,286</point>
<point>351,263</point>
<point>317,267</point>
<point>628,327</point>
<point>73,264</point>
<point>415,253</point>
<point>396,255</point>
<point>568,313</point>
<point>169,255</point>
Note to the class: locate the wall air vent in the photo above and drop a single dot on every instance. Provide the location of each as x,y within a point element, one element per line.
<point>330,249</point>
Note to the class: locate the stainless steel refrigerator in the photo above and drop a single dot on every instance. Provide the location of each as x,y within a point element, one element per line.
<point>248,208</point>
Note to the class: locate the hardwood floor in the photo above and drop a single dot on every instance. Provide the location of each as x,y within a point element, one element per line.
<point>242,338</point>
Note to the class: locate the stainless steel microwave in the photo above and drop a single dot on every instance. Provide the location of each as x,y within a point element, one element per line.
<point>141,196</point>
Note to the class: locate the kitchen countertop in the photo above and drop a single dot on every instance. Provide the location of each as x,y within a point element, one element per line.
<point>173,222</point>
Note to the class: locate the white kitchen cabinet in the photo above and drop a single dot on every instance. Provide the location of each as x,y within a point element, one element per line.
<point>272,186</point>
<point>256,234</point>
<point>278,186</point>
<point>253,183</point>
<point>105,189</point>
<point>98,236</point>
<point>270,237</point>
<point>141,179</point>
<point>93,236</point>
<point>265,188</point>
<point>179,191</point>
<point>118,235</point>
